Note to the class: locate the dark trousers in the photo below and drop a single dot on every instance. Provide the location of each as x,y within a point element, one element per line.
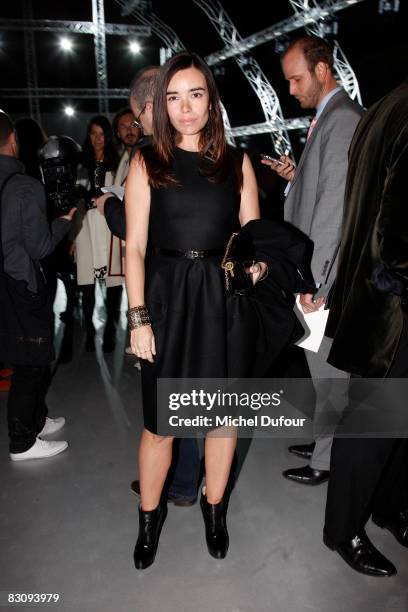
<point>185,471</point>
<point>26,407</point>
<point>113,300</point>
<point>368,476</point>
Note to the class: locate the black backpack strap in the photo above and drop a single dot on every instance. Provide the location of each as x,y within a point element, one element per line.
<point>2,188</point>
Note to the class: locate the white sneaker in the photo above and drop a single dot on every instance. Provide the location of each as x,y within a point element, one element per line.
<point>40,450</point>
<point>52,425</point>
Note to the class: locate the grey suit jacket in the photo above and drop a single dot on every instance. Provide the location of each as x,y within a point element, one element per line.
<point>315,200</point>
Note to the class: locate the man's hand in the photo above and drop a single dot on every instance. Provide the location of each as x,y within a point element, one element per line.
<point>309,304</point>
<point>100,202</point>
<point>286,169</point>
<point>69,215</point>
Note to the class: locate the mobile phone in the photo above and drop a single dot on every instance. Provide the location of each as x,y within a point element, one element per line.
<point>270,158</point>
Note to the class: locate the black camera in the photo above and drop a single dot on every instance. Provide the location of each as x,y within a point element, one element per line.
<point>59,159</point>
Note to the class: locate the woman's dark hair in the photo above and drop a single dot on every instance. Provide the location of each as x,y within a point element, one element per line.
<point>30,139</point>
<point>213,149</point>
<point>110,156</point>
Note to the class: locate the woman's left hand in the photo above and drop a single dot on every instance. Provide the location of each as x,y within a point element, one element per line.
<point>257,271</point>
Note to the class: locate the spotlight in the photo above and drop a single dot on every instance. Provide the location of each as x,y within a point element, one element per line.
<point>65,44</point>
<point>134,47</point>
<point>69,111</point>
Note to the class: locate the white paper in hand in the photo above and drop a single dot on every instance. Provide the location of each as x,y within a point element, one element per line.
<point>314,324</point>
<point>117,190</point>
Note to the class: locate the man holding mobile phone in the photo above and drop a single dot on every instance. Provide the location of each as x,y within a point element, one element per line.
<point>314,204</point>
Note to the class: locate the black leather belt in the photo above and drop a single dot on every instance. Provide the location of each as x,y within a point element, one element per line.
<point>191,254</point>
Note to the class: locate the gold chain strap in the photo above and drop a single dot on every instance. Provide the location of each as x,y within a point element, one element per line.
<point>228,266</point>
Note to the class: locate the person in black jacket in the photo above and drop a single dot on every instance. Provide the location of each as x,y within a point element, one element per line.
<point>141,102</point>
<point>369,323</point>
<point>26,238</point>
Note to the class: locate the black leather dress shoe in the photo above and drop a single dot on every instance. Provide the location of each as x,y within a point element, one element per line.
<point>360,554</point>
<point>180,501</point>
<point>307,475</point>
<point>302,450</point>
<point>397,524</point>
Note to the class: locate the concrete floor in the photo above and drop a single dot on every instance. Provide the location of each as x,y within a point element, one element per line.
<point>69,523</point>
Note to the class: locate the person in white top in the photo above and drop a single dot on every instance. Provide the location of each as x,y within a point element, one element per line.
<point>98,253</point>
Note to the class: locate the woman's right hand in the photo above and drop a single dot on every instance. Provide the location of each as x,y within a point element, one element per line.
<point>142,342</point>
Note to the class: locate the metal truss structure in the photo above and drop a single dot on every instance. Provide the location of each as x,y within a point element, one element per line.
<point>157,26</point>
<point>388,6</point>
<point>310,14</point>
<point>71,27</point>
<point>98,17</point>
<point>299,123</point>
<point>300,20</point>
<point>31,65</point>
<point>97,27</point>
<point>253,73</point>
<point>64,92</point>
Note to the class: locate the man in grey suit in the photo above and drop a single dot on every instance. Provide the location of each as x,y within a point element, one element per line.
<point>314,204</point>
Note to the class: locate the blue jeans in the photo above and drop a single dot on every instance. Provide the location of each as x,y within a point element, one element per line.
<point>184,475</point>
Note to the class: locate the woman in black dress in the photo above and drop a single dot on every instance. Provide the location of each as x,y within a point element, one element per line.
<point>186,193</point>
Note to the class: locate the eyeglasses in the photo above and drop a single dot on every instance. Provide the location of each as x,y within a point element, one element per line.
<point>136,122</point>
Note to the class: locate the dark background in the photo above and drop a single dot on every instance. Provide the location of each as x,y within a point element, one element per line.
<point>375,45</point>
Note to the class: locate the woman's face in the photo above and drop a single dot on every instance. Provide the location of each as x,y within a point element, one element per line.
<point>97,137</point>
<point>188,101</point>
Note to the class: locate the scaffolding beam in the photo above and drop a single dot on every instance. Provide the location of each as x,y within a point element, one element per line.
<point>63,92</point>
<point>252,71</point>
<point>170,39</point>
<point>31,65</point>
<point>299,123</point>
<point>72,27</point>
<point>300,20</point>
<point>98,18</point>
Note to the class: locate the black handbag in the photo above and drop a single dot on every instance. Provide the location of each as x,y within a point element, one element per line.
<point>239,255</point>
<point>26,317</point>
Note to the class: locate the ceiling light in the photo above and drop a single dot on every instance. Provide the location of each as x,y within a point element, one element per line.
<point>65,44</point>
<point>134,47</point>
<point>69,111</point>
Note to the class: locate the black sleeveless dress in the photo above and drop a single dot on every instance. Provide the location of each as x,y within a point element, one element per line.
<point>186,297</point>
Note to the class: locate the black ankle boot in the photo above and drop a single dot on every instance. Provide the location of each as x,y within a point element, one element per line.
<point>216,532</point>
<point>150,524</point>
